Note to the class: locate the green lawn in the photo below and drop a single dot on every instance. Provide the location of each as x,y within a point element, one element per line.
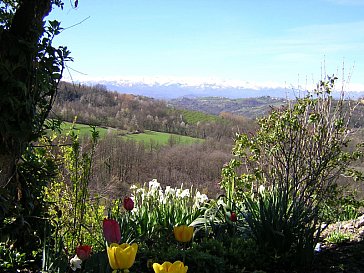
<point>148,137</point>
<point>192,117</point>
<point>162,138</point>
<point>83,129</point>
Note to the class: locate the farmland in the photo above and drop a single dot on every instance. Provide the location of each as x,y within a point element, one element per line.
<point>147,137</point>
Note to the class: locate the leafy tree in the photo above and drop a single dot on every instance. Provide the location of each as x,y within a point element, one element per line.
<point>30,69</point>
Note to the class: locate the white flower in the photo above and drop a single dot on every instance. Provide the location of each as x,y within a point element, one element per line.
<point>201,198</point>
<point>133,187</point>
<point>75,263</point>
<point>185,193</point>
<point>154,185</point>
<point>220,202</point>
<point>261,189</point>
<point>318,247</point>
<point>170,191</point>
<point>178,193</point>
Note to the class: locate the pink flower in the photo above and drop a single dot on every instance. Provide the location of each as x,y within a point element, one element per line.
<point>83,252</point>
<point>111,230</point>
<point>233,217</point>
<point>128,203</point>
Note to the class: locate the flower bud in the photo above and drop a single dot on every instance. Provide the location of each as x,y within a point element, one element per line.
<point>128,203</point>
<point>111,231</point>
<point>83,252</point>
<point>233,217</point>
<point>183,233</point>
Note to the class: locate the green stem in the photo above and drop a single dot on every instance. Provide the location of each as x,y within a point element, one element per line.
<point>184,252</point>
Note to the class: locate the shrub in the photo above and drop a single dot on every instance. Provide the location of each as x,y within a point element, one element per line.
<point>285,174</point>
<point>74,217</point>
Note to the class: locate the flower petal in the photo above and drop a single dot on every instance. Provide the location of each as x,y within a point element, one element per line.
<point>112,256</point>
<point>167,267</point>
<point>183,233</point>
<point>177,267</point>
<point>157,268</point>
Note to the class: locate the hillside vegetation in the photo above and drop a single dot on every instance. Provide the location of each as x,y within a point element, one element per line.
<point>97,106</point>
<point>80,202</point>
<point>160,138</point>
<point>149,138</point>
<point>285,146</point>
<point>140,139</point>
<point>140,135</point>
<point>252,108</point>
<point>247,107</point>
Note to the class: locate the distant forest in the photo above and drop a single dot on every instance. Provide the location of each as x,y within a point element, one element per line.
<point>120,163</point>
<point>97,106</point>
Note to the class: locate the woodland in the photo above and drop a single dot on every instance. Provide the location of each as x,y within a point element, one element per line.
<point>124,162</point>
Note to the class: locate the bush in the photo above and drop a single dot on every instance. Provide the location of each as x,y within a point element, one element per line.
<point>74,217</point>
<point>285,174</point>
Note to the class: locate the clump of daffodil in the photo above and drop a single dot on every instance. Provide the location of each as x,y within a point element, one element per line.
<point>183,233</point>
<point>176,267</point>
<point>121,257</point>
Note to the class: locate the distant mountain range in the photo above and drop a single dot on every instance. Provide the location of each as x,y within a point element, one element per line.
<point>247,107</point>
<point>192,89</point>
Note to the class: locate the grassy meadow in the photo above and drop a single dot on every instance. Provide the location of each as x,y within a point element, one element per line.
<point>161,138</point>
<point>193,117</point>
<point>82,129</point>
<point>158,138</point>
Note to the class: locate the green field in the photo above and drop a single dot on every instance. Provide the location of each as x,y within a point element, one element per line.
<point>192,117</point>
<point>84,129</point>
<point>157,138</point>
<point>162,138</point>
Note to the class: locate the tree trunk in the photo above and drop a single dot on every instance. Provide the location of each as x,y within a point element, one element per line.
<point>18,49</point>
<point>7,168</point>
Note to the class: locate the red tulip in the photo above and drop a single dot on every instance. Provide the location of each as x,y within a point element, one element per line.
<point>111,230</point>
<point>128,203</point>
<point>233,217</point>
<point>83,252</point>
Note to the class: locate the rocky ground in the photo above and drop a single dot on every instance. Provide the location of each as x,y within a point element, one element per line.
<point>346,256</point>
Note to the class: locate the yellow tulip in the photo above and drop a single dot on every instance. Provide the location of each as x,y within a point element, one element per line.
<point>183,233</point>
<point>176,267</point>
<point>121,256</point>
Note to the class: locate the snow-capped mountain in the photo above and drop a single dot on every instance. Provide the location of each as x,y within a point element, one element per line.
<point>171,88</point>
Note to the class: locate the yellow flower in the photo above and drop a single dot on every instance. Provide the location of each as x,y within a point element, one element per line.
<point>176,267</point>
<point>183,233</point>
<point>121,256</point>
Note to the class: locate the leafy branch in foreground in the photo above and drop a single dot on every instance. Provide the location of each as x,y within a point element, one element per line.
<point>30,70</point>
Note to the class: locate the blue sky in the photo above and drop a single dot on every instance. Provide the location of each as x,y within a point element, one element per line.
<point>264,41</point>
